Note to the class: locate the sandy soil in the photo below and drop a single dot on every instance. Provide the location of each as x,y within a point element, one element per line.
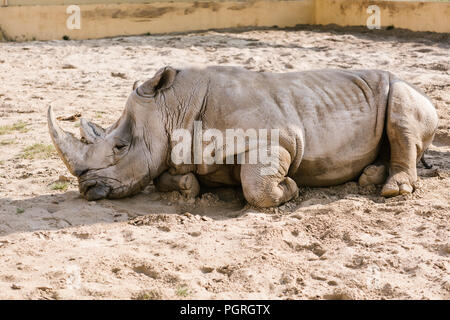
<point>343,242</point>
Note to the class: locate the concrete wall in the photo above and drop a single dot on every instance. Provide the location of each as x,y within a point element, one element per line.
<point>46,19</point>
<point>106,20</point>
<point>413,15</point>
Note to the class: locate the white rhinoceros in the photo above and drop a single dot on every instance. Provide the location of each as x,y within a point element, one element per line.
<point>333,126</point>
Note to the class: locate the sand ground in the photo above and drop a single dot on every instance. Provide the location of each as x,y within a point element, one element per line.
<point>344,242</point>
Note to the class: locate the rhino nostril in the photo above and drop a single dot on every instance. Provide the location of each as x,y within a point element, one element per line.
<point>80,172</point>
<point>97,192</point>
<point>86,185</point>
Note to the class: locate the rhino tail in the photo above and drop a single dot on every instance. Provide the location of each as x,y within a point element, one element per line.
<point>425,163</point>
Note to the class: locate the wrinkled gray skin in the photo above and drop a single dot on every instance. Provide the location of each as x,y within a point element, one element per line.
<point>335,126</point>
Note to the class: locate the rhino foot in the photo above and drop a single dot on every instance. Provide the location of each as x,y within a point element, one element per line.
<point>187,184</point>
<point>398,183</point>
<point>373,174</point>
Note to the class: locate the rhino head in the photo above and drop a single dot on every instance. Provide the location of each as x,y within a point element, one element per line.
<point>121,160</point>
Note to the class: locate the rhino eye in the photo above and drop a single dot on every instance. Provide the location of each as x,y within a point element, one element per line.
<point>119,147</point>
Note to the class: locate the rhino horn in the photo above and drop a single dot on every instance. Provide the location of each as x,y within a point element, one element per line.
<point>91,132</point>
<point>70,149</point>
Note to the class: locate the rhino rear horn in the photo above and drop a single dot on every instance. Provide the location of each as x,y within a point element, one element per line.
<point>70,149</point>
<point>91,132</point>
<point>162,80</point>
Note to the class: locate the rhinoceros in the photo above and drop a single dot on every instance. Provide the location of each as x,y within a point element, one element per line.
<point>333,126</point>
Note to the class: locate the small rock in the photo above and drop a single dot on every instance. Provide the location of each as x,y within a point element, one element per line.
<point>206,269</point>
<point>164,228</point>
<point>446,285</point>
<point>188,215</point>
<point>319,277</point>
<point>338,295</point>
<point>63,178</point>
<point>52,209</point>
<point>72,118</point>
<point>15,287</point>
<point>249,61</point>
<point>46,289</point>
<point>387,290</point>
<point>3,243</point>
<point>115,270</point>
<point>445,248</point>
<point>286,278</point>
<point>118,75</point>
<point>148,270</point>
<point>289,66</point>
<point>332,283</point>
<point>68,66</point>
<point>317,249</point>
<point>81,235</point>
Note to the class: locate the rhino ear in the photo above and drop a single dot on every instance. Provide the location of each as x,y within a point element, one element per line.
<point>163,79</point>
<point>91,132</point>
<point>136,84</point>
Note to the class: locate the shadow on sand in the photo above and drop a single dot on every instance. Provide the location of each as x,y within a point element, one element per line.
<point>227,38</point>
<point>69,209</point>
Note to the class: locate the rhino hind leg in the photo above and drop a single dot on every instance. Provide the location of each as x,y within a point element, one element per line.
<point>187,184</point>
<point>411,124</point>
<point>373,174</point>
<point>272,190</point>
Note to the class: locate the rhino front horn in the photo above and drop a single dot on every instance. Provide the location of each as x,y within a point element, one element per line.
<point>70,149</point>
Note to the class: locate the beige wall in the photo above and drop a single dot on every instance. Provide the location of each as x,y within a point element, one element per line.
<point>413,15</point>
<point>23,21</point>
<point>106,20</point>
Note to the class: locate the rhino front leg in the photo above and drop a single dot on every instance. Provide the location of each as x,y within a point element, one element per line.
<point>187,184</point>
<point>272,190</point>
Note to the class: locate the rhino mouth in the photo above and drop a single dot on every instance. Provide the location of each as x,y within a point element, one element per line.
<point>94,190</point>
